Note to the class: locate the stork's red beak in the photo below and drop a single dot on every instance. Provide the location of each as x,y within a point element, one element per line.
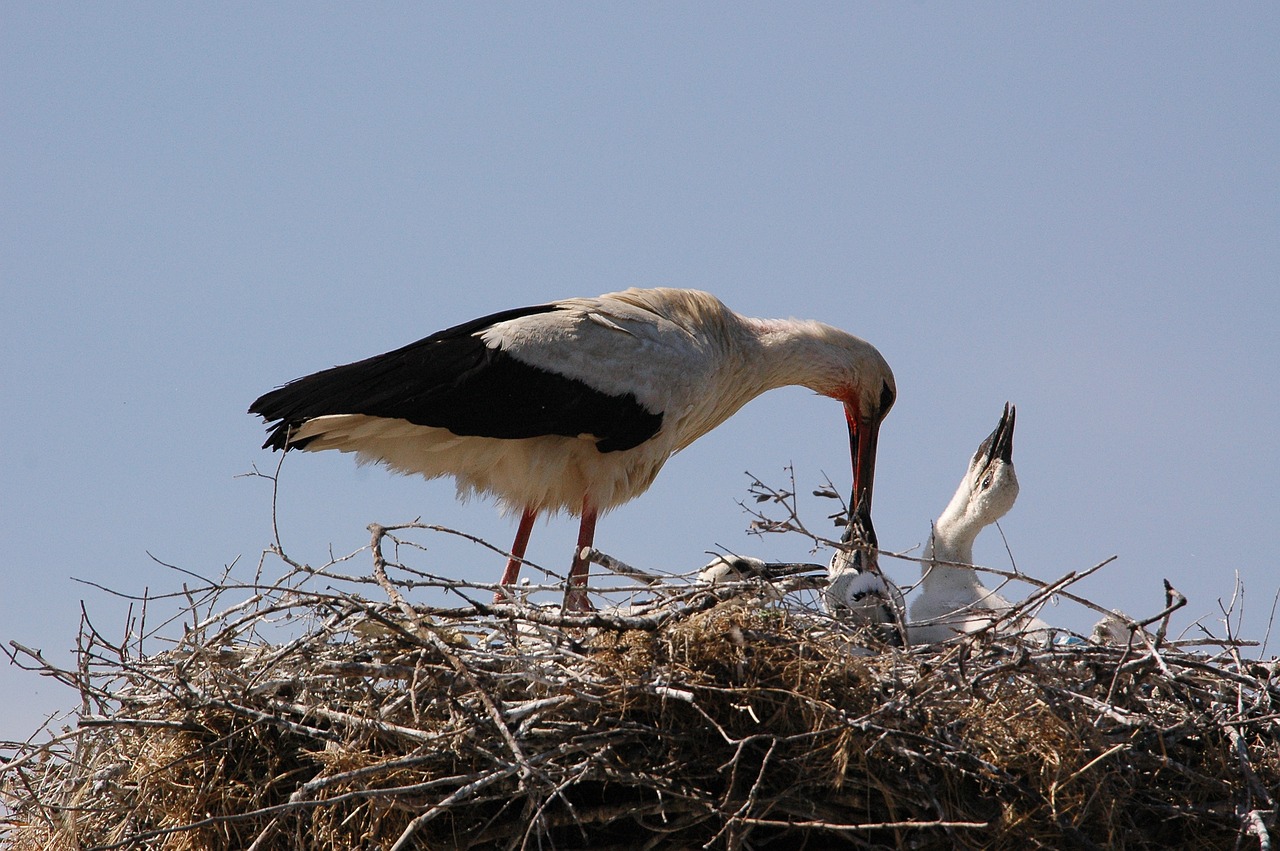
<point>863,434</point>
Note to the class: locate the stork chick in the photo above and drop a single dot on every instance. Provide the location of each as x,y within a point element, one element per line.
<point>952,600</point>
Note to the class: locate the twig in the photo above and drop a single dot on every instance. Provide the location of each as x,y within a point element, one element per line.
<point>868,826</point>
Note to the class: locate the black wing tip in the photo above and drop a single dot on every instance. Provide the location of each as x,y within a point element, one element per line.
<point>278,433</point>
<point>277,437</point>
<point>279,426</point>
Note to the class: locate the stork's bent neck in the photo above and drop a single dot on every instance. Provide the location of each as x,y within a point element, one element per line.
<point>824,359</point>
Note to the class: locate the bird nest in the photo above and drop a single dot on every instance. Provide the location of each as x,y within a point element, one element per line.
<point>325,711</point>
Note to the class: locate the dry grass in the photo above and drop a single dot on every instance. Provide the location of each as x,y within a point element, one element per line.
<point>302,714</point>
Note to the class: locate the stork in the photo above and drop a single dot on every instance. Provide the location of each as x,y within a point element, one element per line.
<point>744,571</point>
<point>575,405</point>
<point>952,599</point>
<point>728,569</point>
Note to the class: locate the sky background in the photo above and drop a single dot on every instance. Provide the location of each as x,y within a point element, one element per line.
<point>1073,207</point>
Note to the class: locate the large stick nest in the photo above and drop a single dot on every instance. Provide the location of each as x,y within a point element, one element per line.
<point>302,714</point>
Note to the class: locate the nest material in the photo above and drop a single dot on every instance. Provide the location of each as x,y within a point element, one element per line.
<point>706,721</point>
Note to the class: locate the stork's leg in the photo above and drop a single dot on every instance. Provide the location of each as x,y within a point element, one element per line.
<point>575,593</point>
<point>518,547</point>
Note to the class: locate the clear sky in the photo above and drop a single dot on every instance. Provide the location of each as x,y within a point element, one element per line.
<point>1074,207</point>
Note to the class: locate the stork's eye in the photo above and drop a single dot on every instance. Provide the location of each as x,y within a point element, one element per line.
<point>887,398</point>
<point>986,483</point>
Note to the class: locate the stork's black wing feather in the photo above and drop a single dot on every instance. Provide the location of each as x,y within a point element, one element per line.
<point>452,380</point>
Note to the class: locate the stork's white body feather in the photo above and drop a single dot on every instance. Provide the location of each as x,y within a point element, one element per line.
<point>954,602</point>
<point>549,472</point>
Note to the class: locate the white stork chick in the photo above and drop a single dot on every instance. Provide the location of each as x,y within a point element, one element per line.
<point>1114,629</point>
<point>856,589</point>
<point>725,569</point>
<point>952,600</point>
<point>575,405</point>
<point>741,570</point>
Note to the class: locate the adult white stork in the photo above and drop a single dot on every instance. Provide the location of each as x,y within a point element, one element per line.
<point>953,600</point>
<point>575,405</point>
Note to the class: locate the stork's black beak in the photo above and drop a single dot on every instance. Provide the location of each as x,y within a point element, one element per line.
<point>860,530</point>
<point>999,444</point>
<point>861,535</point>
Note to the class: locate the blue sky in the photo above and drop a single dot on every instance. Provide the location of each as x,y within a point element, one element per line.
<point>1074,207</point>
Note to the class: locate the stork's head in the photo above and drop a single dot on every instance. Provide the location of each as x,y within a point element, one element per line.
<point>841,366</point>
<point>865,406</point>
<point>991,483</point>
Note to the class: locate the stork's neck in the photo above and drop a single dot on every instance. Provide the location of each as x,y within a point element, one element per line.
<point>952,540</point>
<point>806,353</point>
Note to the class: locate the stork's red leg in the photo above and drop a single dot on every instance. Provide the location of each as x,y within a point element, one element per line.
<point>575,594</point>
<point>518,547</point>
